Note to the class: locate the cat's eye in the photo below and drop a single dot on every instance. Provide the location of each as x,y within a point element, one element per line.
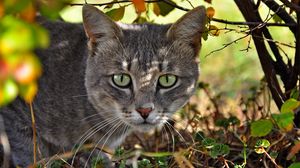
<point>167,80</point>
<point>121,80</point>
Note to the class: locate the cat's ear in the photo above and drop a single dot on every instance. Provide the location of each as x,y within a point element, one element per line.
<point>189,28</point>
<point>97,24</point>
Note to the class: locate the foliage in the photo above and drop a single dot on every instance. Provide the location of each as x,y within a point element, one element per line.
<point>211,133</point>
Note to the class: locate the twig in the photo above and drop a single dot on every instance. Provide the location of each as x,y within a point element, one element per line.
<point>5,144</point>
<point>291,5</point>
<point>253,23</point>
<point>227,44</point>
<point>33,134</point>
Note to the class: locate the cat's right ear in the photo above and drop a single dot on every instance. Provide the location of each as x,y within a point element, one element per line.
<point>97,25</point>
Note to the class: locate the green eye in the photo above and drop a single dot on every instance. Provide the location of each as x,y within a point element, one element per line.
<point>121,80</point>
<point>167,80</point>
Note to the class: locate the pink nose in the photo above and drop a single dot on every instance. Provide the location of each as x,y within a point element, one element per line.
<point>144,112</point>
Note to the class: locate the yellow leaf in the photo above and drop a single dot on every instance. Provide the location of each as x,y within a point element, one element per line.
<point>156,9</point>
<point>210,12</point>
<point>213,30</point>
<point>139,6</point>
<point>28,92</point>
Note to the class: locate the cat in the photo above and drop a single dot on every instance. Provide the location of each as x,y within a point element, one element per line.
<point>102,80</point>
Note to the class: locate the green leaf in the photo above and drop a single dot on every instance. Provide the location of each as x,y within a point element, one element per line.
<point>295,165</point>
<point>165,8</point>
<point>262,143</point>
<point>14,6</point>
<point>116,14</point>
<point>295,94</point>
<point>145,163</point>
<point>51,9</point>
<point>261,127</point>
<point>219,150</point>
<point>284,120</point>
<point>8,92</point>
<point>209,142</point>
<point>289,106</point>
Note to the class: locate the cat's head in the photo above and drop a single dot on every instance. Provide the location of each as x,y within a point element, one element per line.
<point>141,74</point>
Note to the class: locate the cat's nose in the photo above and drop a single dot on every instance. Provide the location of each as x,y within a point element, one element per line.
<point>144,112</point>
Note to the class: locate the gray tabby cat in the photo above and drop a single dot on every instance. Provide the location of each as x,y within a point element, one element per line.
<point>103,80</point>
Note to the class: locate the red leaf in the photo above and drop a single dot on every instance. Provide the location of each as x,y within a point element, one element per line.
<point>139,6</point>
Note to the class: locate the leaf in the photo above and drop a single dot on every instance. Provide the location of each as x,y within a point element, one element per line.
<point>8,91</point>
<point>261,127</point>
<point>156,9</point>
<point>289,106</point>
<point>139,6</point>
<point>295,94</point>
<point>28,69</point>
<point>295,165</point>
<point>28,14</point>
<point>214,30</point>
<point>219,150</point>
<point>208,142</point>
<point>284,121</point>
<point>260,145</point>
<point>165,8</point>
<point>116,14</point>
<point>208,1</point>
<point>28,92</point>
<point>210,12</point>
<point>15,6</point>
<point>294,150</point>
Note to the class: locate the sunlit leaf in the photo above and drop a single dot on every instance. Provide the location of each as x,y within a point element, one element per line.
<point>214,30</point>
<point>165,8</point>
<point>8,91</point>
<point>210,12</point>
<point>260,145</point>
<point>284,120</point>
<point>116,14</point>
<point>156,9</point>
<point>140,20</point>
<point>139,6</point>
<point>261,127</point>
<point>28,91</point>
<point>289,105</point>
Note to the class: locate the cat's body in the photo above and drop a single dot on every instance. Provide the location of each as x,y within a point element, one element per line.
<point>81,93</point>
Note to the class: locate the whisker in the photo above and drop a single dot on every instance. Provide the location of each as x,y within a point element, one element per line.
<point>91,131</point>
<point>109,131</point>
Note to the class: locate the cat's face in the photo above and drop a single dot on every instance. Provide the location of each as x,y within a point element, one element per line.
<point>141,74</point>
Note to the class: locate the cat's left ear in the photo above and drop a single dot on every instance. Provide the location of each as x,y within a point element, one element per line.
<point>189,28</point>
<point>97,25</point>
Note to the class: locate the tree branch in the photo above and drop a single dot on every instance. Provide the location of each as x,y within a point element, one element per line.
<point>291,5</point>
<point>247,7</point>
<point>254,23</point>
<point>282,14</point>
